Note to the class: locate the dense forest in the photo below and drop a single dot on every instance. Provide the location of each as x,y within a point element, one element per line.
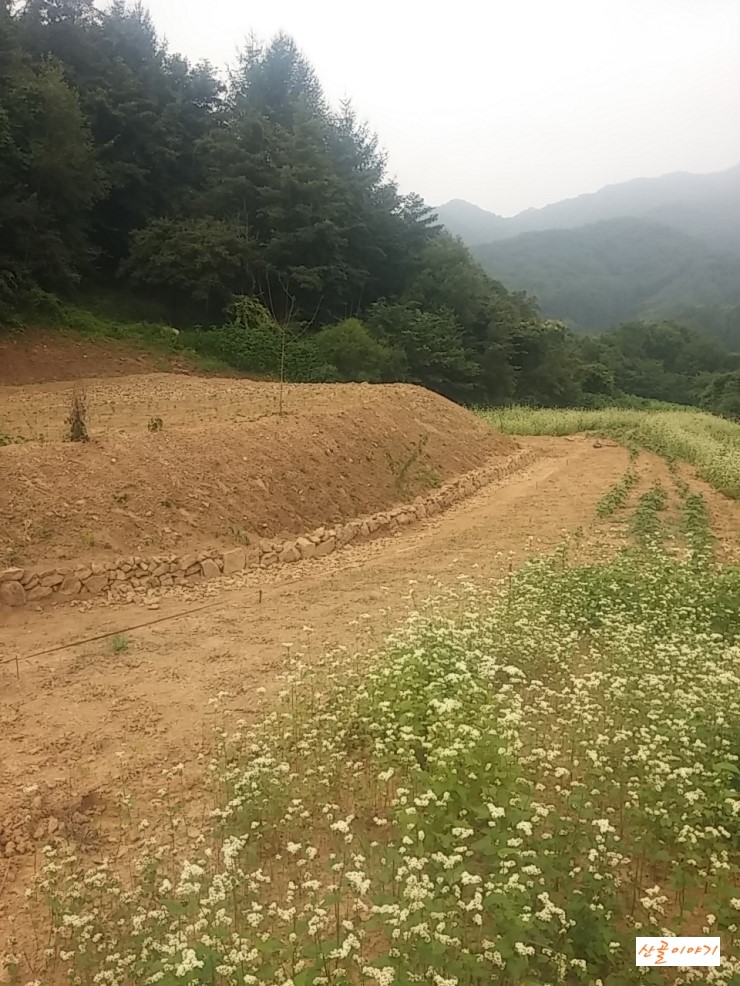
<point>264,224</point>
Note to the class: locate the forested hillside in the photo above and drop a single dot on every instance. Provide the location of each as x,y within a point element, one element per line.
<point>665,247</point>
<point>262,222</point>
<point>606,272</point>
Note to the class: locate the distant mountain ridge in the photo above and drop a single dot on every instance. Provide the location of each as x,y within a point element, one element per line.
<point>702,205</point>
<point>648,248</point>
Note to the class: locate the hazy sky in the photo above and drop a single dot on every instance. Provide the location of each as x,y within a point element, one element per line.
<point>508,103</point>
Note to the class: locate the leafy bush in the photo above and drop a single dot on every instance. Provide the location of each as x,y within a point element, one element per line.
<point>356,354</point>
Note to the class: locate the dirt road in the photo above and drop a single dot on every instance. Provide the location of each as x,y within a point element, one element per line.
<point>74,722</point>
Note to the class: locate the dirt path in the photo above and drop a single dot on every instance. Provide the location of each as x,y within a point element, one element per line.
<point>75,722</point>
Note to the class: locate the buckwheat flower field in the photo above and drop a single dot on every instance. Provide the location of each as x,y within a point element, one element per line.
<point>709,443</point>
<point>519,782</point>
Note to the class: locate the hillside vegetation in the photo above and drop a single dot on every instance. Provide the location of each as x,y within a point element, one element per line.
<point>136,186</point>
<point>138,191</point>
<point>612,271</point>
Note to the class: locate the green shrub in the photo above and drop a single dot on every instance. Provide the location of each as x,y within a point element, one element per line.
<point>355,353</point>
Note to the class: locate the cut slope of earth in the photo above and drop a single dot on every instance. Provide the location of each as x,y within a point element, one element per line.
<point>38,356</point>
<point>222,465</point>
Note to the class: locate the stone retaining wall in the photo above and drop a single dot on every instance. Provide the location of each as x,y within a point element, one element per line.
<point>130,579</point>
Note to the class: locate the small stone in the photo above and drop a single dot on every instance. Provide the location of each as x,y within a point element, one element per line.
<point>193,570</point>
<point>209,569</point>
<point>12,594</point>
<point>52,825</point>
<point>70,586</point>
<point>268,559</point>
<point>235,560</point>
<point>10,848</point>
<point>11,574</point>
<point>306,547</point>
<point>289,553</point>
<point>186,562</point>
<point>96,583</point>
<point>83,573</point>
<point>53,579</point>
<point>325,548</point>
<point>39,592</point>
<point>40,831</point>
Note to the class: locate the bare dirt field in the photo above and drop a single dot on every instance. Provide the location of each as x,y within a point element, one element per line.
<point>96,702</point>
<point>222,467</point>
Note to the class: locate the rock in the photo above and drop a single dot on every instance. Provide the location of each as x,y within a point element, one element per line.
<point>30,582</point>
<point>11,574</point>
<point>194,569</point>
<point>70,586</point>
<point>39,592</point>
<point>209,569</point>
<point>12,594</point>
<point>52,825</point>
<point>372,525</point>
<point>306,548</point>
<point>10,848</point>
<point>167,580</point>
<point>421,511</point>
<point>289,553</point>
<point>325,548</point>
<point>96,583</point>
<point>40,831</point>
<point>268,559</point>
<point>186,562</point>
<point>252,554</point>
<point>83,573</point>
<point>53,579</point>
<point>234,560</point>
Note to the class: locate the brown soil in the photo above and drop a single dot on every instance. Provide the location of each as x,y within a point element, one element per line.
<point>225,465</point>
<point>37,356</point>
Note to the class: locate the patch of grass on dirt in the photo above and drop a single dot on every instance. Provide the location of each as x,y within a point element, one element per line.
<point>119,643</point>
<point>709,443</point>
<point>505,796</point>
